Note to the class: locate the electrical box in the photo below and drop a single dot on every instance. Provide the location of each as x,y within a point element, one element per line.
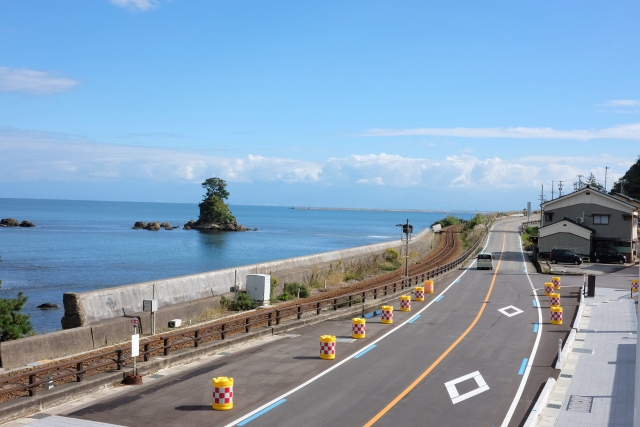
<point>259,287</point>
<point>436,228</point>
<point>150,305</point>
<point>175,323</point>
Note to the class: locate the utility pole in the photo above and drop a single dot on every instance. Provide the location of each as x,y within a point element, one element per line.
<point>552,190</point>
<point>541,209</point>
<point>560,188</point>
<point>606,168</point>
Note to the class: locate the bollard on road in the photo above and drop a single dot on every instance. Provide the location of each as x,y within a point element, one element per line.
<point>548,288</point>
<point>222,393</point>
<point>554,300</point>
<point>634,285</point>
<point>327,347</point>
<point>405,303</point>
<point>556,283</point>
<point>556,315</point>
<point>428,286</point>
<point>358,327</point>
<point>387,314</point>
<point>419,293</point>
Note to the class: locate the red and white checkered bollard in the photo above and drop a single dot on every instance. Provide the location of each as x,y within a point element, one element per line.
<point>634,285</point>
<point>548,289</point>
<point>327,347</point>
<point>419,293</point>
<point>405,303</point>
<point>358,327</point>
<point>554,300</point>
<point>387,314</point>
<point>222,393</point>
<point>556,283</point>
<point>428,286</point>
<point>556,315</point>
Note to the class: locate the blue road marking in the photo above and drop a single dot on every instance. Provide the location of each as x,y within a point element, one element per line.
<point>414,318</point>
<point>264,411</point>
<point>378,312</point>
<point>534,303</point>
<point>535,327</point>
<point>439,298</point>
<point>523,366</point>
<point>366,316</point>
<point>457,281</point>
<point>364,351</point>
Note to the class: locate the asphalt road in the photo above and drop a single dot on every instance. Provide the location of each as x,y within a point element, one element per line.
<point>500,363</point>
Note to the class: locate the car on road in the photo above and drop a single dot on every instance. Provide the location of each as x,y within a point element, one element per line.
<point>565,256</point>
<point>484,260</point>
<point>608,255</point>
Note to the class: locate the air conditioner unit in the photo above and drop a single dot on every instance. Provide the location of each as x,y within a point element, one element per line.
<point>175,323</point>
<point>580,220</point>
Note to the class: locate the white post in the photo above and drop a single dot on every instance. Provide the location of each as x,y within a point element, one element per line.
<point>153,313</point>
<point>559,350</point>
<point>636,405</point>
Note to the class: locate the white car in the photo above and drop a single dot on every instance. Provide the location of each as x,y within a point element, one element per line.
<point>484,260</point>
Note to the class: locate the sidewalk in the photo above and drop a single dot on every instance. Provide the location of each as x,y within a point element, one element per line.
<point>596,384</point>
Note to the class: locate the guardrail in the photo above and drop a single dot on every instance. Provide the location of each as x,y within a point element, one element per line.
<point>29,383</point>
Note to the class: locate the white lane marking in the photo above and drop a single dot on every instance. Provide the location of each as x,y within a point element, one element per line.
<point>453,391</point>
<point>323,373</point>
<point>516,310</point>
<point>516,398</point>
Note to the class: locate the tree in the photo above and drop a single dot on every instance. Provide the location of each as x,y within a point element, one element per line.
<point>216,187</point>
<point>593,183</point>
<point>13,324</point>
<point>629,184</point>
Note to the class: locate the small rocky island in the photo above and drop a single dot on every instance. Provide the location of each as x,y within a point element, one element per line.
<point>214,212</point>
<point>12,222</point>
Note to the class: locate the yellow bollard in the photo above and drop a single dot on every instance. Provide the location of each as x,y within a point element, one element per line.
<point>548,288</point>
<point>419,293</point>
<point>405,303</point>
<point>428,286</point>
<point>554,300</point>
<point>634,285</point>
<point>327,347</point>
<point>222,393</point>
<point>387,314</point>
<point>358,327</point>
<point>556,315</point>
<point>556,283</point>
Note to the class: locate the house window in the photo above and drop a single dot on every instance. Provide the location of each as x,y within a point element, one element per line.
<point>601,219</point>
<point>626,217</point>
<point>548,216</point>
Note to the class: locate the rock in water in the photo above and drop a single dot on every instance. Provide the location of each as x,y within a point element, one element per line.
<point>139,225</point>
<point>26,223</point>
<point>189,224</point>
<point>166,226</point>
<point>9,222</point>
<point>154,226</point>
<point>47,306</point>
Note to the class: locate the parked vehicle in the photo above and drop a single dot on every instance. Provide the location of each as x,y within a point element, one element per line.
<point>484,260</point>
<point>565,255</point>
<point>609,255</point>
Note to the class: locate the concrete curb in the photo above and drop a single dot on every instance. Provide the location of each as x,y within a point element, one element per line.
<point>541,403</point>
<point>568,345</point>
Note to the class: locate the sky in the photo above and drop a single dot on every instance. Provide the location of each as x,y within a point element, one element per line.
<point>406,104</point>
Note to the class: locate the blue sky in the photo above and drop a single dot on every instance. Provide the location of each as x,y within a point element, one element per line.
<point>431,105</point>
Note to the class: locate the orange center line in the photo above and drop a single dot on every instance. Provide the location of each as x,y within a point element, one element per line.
<point>446,352</point>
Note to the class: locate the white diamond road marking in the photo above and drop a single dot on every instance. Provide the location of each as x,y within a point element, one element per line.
<point>453,391</point>
<point>503,310</point>
<point>58,421</point>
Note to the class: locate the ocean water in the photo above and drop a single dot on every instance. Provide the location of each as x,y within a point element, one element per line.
<point>79,246</point>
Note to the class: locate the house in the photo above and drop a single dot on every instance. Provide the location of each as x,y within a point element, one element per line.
<point>587,219</point>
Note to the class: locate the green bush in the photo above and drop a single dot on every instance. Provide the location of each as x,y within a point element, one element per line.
<point>285,297</point>
<point>14,324</point>
<point>292,289</point>
<point>244,302</point>
<point>447,221</point>
<point>391,255</point>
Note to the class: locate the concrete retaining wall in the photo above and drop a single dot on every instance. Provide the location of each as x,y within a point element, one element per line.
<point>126,300</point>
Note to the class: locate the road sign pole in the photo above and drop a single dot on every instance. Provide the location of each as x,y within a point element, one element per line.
<point>636,403</point>
<point>135,367</point>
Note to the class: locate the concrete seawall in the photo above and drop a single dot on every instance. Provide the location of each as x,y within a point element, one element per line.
<point>90,307</point>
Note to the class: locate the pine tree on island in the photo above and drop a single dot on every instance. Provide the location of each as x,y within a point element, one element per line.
<point>214,212</point>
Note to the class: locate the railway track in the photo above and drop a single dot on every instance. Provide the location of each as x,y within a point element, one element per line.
<point>29,382</point>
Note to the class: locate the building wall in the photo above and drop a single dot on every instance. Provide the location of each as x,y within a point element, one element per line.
<point>564,240</point>
<point>617,227</point>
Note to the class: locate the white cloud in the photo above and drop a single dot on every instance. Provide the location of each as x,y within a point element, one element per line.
<point>622,103</point>
<point>143,5</point>
<point>34,82</point>
<point>629,131</point>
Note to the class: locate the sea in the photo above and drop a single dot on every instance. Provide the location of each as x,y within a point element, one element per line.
<point>80,246</point>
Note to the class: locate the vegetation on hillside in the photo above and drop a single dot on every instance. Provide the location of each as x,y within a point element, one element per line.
<point>473,230</point>
<point>447,221</point>
<point>213,209</point>
<point>526,237</point>
<point>629,184</point>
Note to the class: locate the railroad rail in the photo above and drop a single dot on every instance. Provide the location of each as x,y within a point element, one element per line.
<point>30,382</point>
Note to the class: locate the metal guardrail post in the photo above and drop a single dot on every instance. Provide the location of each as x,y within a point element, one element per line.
<point>270,318</point>
<point>350,300</point>
<point>79,374</point>
<point>119,359</point>
<point>318,308</point>
<point>247,323</point>
<point>167,349</point>
<point>277,317</point>
<point>299,312</point>
<point>196,339</point>
<point>146,356</point>
<point>223,330</point>
<point>32,390</point>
